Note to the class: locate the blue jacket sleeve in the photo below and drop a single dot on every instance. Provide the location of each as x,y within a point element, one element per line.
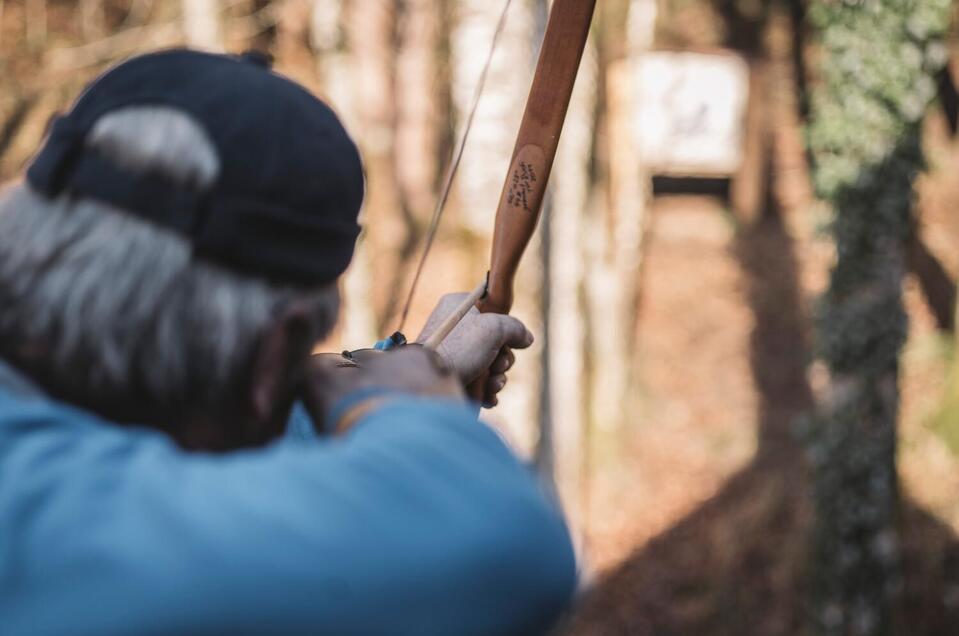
<point>418,522</point>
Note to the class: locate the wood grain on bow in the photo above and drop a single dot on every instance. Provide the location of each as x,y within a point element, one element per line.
<point>532,161</point>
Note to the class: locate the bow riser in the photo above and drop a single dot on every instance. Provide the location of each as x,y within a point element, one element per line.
<point>525,187</point>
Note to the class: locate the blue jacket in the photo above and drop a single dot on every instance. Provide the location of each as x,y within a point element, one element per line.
<point>419,521</point>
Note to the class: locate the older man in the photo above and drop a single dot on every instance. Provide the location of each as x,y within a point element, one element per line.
<point>165,272</point>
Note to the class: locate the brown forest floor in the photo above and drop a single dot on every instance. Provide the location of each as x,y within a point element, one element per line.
<point>697,524</point>
<point>719,549</point>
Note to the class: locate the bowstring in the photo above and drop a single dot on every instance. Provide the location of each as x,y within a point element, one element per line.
<point>453,167</point>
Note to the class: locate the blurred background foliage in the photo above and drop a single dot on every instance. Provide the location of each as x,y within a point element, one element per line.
<point>743,387</point>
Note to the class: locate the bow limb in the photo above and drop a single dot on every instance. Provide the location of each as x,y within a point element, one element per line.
<point>525,187</point>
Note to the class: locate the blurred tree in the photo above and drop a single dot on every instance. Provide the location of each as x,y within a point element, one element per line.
<point>286,26</point>
<point>624,29</point>
<point>876,79</point>
<point>562,450</point>
<point>378,34</point>
<point>592,233</point>
<point>485,163</point>
<point>36,19</point>
<point>335,62</point>
<point>92,18</point>
<point>412,122</point>
<point>265,37</point>
<point>370,27</point>
<point>201,24</point>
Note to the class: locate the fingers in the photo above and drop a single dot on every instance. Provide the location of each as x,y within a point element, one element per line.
<point>503,362</point>
<point>495,384</point>
<point>512,332</point>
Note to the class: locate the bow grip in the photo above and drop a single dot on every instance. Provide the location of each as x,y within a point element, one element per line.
<point>516,218</point>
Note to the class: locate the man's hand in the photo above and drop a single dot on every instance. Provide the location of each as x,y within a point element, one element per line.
<point>411,370</point>
<point>479,342</point>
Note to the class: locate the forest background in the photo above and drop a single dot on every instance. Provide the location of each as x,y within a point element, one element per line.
<point>753,430</point>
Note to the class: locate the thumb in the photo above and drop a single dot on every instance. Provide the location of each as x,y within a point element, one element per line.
<point>511,331</point>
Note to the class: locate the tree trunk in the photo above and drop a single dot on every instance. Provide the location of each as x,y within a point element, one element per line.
<point>201,23</point>
<point>370,27</point>
<point>92,19</point>
<point>413,123</point>
<point>289,24</point>
<point>484,167</point>
<point>615,240</point>
<point>876,80</point>
<point>566,347</point>
<point>330,38</point>
<point>937,286</point>
<point>265,35</point>
<point>36,19</point>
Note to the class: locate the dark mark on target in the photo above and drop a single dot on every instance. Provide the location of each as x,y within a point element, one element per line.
<point>521,186</point>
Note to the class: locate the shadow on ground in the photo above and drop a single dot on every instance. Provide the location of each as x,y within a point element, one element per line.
<point>735,565</point>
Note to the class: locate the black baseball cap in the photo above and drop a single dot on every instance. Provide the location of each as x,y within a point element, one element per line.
<point>290,187</point>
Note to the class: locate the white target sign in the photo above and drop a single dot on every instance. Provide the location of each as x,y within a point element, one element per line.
<point>692,109</point>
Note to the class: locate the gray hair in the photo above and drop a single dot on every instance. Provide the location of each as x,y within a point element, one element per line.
<point>120,306</point>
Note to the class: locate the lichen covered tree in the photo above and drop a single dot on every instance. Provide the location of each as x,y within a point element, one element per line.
<point>875,80</point>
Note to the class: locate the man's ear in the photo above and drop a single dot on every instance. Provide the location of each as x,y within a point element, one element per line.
<point>280,356</point>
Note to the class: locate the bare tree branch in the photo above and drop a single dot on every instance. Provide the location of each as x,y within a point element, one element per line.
<point>36,22</point>
<point>117,45</point>
<point>137,15</point>
<point>91,18</point>
<point>14,121</point>
<point>2,4</point>
<point>136,39</point>
<point>201,24</point>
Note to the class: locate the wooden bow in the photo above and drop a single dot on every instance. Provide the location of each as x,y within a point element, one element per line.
<point>525,187</point>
